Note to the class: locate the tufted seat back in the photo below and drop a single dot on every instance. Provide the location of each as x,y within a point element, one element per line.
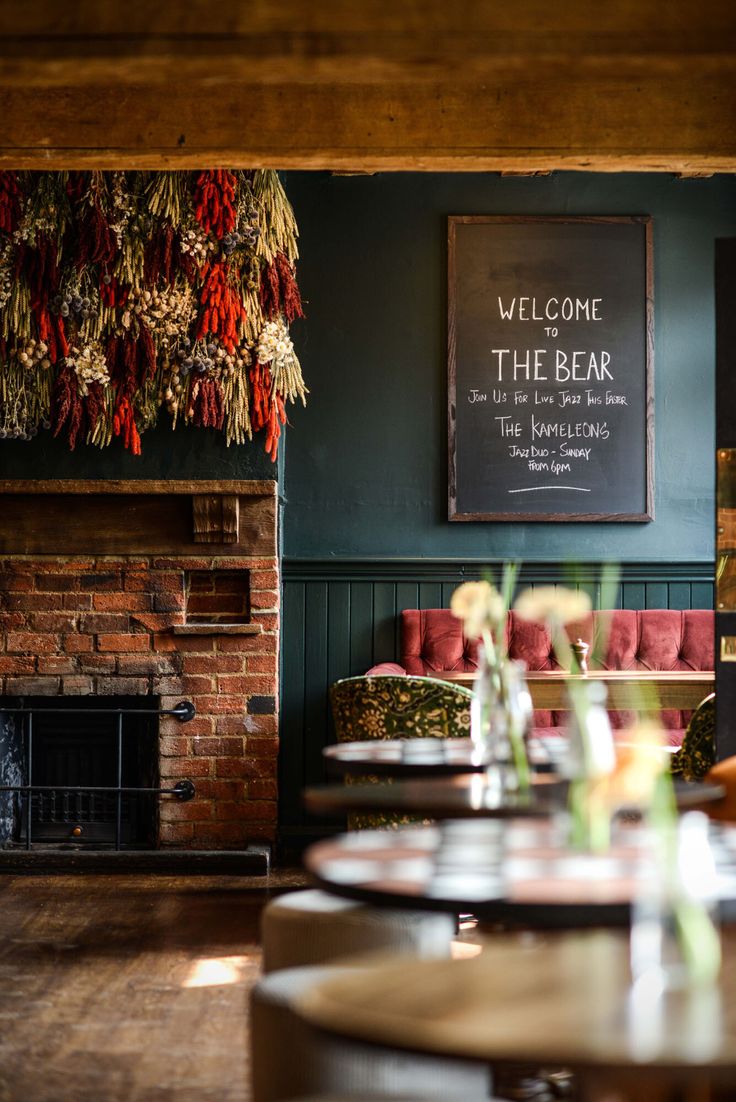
<point>651,639</point>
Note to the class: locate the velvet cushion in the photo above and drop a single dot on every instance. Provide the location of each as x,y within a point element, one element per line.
<point>385,669</point>
<point>433,639</point>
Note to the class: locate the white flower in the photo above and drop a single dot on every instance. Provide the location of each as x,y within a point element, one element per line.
<point>89,365</point>
<point>275,346</point>
<point>479,606</point>
<point>553,604</point>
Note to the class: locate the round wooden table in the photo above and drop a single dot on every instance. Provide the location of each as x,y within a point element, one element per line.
<point>423,757</point>
<point>517,871</point>
<point>454,797</point>
<point>467,796</point>
<point>546,999</point>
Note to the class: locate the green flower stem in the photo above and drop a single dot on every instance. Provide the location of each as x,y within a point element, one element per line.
<point>521,762</point>
<point>699,941</point>
<point>489,648</point>
<point>697,935</point>
<point>590,818</point>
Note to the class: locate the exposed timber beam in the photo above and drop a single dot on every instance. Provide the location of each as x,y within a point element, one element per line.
<point>371,86</point>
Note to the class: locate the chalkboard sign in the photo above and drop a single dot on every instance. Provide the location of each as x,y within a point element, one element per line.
<point>550,369</point>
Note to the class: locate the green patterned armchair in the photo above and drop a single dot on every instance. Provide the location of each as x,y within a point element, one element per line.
<point>388,707</point>
<point>698,751</point>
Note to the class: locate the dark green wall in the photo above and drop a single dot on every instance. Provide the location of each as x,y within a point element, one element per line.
<point>186,453</point>
<point>366,465</point>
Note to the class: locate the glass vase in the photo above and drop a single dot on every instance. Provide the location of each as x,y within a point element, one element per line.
<point>500,715</point>
<point>675,941</point>
<point>591,757</point>
<point>484,706</point>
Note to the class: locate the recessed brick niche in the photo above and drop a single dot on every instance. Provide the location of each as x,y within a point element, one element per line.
<point>120,589</point>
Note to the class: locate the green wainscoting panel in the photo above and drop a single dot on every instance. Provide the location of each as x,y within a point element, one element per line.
<point>340,618</point>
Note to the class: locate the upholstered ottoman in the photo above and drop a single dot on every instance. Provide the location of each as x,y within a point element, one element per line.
<point>290,1059</point>
<point>312,927</point>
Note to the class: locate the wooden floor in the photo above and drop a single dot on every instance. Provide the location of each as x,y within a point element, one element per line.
<point>128,988</point>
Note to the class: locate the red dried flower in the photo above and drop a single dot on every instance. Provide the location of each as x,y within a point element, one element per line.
<point>214,201</point>
<point>10,196</point>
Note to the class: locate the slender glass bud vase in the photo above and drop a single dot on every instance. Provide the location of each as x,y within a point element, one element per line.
<point>484,707</point>
<point>675,941</point>
<point>518,716</point>
<point>499,718</point>
<point>591,757</point>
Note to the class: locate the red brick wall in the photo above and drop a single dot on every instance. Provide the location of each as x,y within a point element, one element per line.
<point>103,625</point>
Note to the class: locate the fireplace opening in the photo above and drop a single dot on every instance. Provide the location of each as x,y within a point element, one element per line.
<point>68,767</point>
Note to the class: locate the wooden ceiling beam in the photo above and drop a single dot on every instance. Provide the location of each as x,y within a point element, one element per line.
<point>369,86</point>
<point>211,63</point>
<point>554,118</point>
<point>528,26</point>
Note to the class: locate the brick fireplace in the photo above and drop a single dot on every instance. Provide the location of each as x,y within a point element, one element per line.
<point>169,591</point>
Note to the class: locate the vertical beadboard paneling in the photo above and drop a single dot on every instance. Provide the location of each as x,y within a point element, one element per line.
<point>448,588</point>
<point>384,619</point>
<point>293,669</point>
<point>701,594</point>
<point>407,596</point>
<point>361,627</point>
<point>338,640</point>
<point>340,618</point>
<point>657,595</point>
<point>679,595</point>
<point>315,678</point>
<point>633,595</point>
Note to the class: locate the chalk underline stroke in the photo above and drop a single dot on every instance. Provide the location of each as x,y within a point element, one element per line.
<point>531,489</point>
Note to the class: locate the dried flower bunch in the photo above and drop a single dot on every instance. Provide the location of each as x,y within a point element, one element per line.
<point>121,292</point>
<point>480,607</point>
<point>555,604</point>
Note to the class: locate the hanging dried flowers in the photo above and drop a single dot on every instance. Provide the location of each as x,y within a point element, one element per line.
<point>122,292</point>
<point>275,348</point>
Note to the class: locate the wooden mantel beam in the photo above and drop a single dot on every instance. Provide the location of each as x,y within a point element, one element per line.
<point>377,85</point>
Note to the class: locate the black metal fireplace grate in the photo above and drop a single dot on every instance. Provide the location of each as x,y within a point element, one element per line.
<point>83,770</point>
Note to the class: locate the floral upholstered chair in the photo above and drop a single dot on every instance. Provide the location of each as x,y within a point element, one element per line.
<point>698,751</point>
<point>387,707</point>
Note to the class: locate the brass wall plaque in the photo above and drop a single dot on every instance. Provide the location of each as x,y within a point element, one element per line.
<point>728,648</point>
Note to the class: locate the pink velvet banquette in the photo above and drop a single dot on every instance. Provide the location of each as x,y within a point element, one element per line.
<point>650,639</point>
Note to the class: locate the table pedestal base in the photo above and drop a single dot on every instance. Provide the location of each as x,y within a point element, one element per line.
<point>525,1083</point>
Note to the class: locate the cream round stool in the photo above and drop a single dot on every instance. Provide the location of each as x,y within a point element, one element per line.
<point>385,1098</point>
<point>311,927</point>
<point>291,1060</point>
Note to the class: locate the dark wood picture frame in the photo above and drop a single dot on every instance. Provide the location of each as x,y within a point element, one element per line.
<point>454,513</point>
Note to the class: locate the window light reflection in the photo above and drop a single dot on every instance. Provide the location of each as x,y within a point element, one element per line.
<point>216,971</point>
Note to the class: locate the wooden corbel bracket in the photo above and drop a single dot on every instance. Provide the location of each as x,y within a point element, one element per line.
<point>216,518</point>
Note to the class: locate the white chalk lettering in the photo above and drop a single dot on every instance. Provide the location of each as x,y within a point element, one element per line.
<point>508,426</point>
<point>530,308</point>
<point>567,430</point>
<point>575,453</point>
<point>578,371</point>
<point>525,367</point>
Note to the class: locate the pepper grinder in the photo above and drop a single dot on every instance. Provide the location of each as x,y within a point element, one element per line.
<point>580,649</point>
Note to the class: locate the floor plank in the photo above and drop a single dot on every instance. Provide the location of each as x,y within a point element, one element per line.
<point>128,988</point>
